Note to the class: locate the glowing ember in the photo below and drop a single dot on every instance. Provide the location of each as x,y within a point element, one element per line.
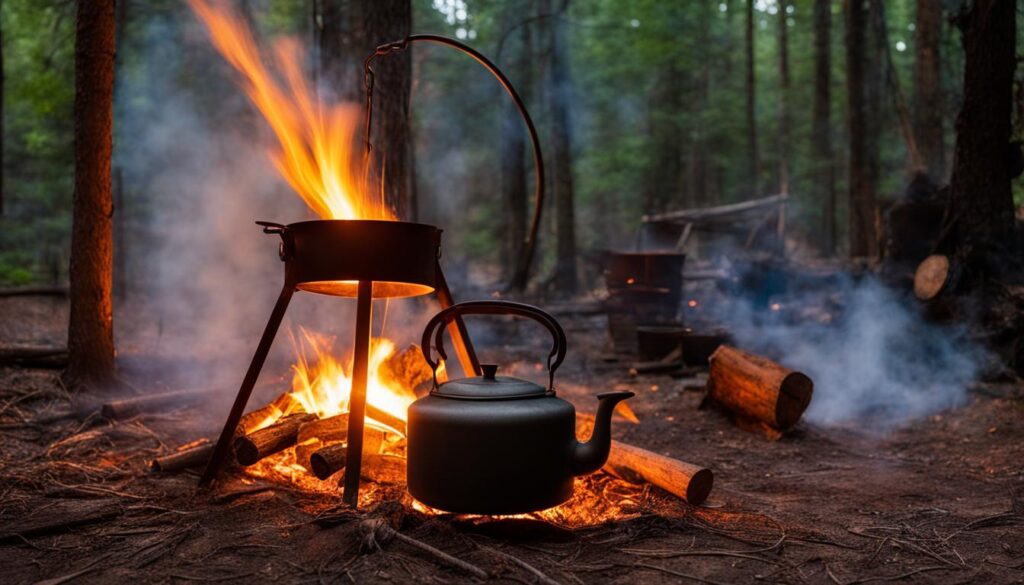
<point>692,303</point>
<point>315,151</point>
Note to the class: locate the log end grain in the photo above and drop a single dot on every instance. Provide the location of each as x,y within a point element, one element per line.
<point>700,485</point>
<point>794,398</point>
<point>931,277</point>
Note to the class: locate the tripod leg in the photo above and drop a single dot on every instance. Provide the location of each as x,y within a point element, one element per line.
<point>457,329</point>
<point>357,398</point>
<point>220,452</point>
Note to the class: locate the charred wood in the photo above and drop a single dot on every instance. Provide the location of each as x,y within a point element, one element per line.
<point>129,407</point>
<point>253,447</point>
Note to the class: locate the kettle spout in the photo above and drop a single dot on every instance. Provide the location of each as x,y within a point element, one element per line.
<point>591,456</point>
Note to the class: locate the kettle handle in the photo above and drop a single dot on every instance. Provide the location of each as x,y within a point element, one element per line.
<point>555,358</point>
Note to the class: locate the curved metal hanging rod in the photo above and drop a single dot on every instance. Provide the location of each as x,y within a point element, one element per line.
<point>529,245</point>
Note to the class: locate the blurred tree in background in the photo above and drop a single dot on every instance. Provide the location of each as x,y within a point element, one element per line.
<point>658,111</point>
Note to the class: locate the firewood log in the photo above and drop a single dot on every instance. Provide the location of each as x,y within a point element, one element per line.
<point>408,368</point>
<point>193,455</point>
<point>933,276</point>
<point>383,468</point>
<point>757,388</point>
<point>684,480</point>
<point>283,405</point>
<point>386,419</point>
<point>129,407</point>
<point>250,448</point>
<point>326,461</point>
<point>679,478</point>
<point>34,357</point>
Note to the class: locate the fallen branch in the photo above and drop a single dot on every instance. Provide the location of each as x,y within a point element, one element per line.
<point>42,291</point>
<point>129,407</point>
<point>34,357</point>
<point>60,518</point>
<point>377,531</point>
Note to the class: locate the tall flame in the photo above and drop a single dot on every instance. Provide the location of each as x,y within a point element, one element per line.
<point>315,151</point>
<point>323,387</point>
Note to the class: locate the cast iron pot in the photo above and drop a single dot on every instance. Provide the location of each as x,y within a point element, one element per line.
<point>496,444</point>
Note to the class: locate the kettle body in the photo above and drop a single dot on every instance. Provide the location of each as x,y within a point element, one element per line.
<point>499,445</point>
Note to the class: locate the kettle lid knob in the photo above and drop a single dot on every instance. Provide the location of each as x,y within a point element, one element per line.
<point>489,370</point>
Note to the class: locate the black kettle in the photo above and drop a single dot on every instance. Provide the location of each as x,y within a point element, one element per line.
<point>496,444</point>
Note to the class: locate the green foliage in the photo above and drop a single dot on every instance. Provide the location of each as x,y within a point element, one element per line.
<point>38,159</point>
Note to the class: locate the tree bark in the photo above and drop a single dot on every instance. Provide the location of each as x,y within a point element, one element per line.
<point>90,329</point>
<point>560,90</point>
<point>385,21</point>
<point>753,158</point>
<point>347,32</point>
<point>928,102</point>
<point>863,166</point>
<point>821,129</point>
<point>514,172</point>
<point>2,78</point>
<point>980,215</point>
<point>783,97</point>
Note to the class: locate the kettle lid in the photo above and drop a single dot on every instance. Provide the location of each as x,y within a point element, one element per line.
<point>491,387</point>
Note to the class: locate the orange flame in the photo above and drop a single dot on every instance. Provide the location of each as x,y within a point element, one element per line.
<point>323,387</point>
<point>315,151</point>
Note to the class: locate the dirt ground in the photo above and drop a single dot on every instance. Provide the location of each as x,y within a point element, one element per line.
<point>940,500</point>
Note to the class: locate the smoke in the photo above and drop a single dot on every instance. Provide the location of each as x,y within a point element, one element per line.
<point>874,359</point>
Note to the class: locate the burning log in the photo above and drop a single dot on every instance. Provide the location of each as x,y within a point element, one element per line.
<point>129,407</point>
<point>250,448</point>
<point>283,405</point>
<point>327,461</point>
<point>386,419</point>
<point>679,478</point>
<point>382,468</point>
<point>408,368</point>
<point>756,388</point>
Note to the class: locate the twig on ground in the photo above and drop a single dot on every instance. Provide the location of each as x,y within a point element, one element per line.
<point>541,577</point>
<point>378,531</point>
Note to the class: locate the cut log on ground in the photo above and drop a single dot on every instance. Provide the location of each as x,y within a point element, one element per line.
<point>628,462</point>
<point>684,480</point>
<point>327,461</point>
<point>935,275</point>
<point>34,357</point>
<point>129,407</point>
<point>273,439</point>
<point>60,517</point>
<point>195,454</point>
<point>757,388</point>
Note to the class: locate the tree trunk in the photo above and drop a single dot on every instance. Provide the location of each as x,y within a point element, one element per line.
<point>665,140</point>
<point>90,330</point>
<point>821,130</point>
<point>753,160</point>
<point>514,172</point>
<point>783,97</point>
<point>980,216</point>
<point>385,21</point>
<point>697,166</point>
<point>863,152</point>
<point>560,89</point>
<point>928,102</point>
<point>1,115</point>
<point>347,32</point>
